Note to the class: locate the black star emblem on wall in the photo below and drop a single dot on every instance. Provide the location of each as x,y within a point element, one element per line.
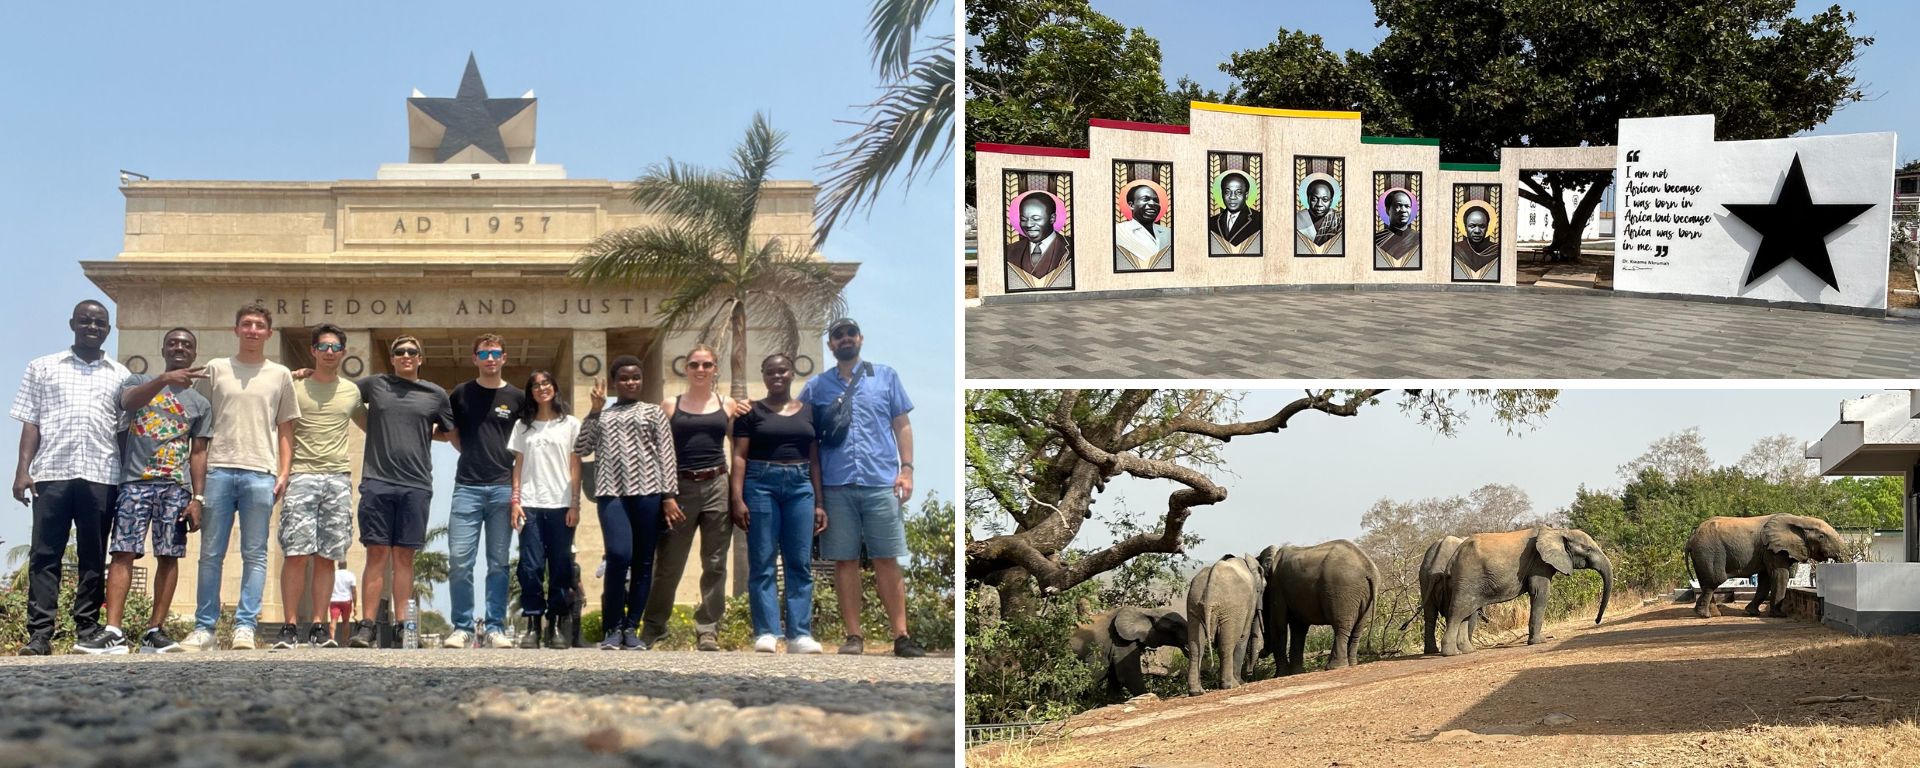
<point>471,119</point>
<point>1794,228</point>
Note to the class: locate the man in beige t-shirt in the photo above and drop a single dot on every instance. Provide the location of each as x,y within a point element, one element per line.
<point>316,520</point>
<point>247,467</point>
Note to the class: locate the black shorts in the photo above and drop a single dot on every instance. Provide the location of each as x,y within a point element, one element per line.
<point>393,515</point>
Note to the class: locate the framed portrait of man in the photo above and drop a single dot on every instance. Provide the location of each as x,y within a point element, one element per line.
<point>1476,233</point>
<point>1396,220</point>
<point>1142,216</point>
<point>1319,210</point>
<point>1039,230</point>
<point>1233,205</point>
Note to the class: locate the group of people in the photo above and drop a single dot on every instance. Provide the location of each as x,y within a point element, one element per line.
<point>121,459</point>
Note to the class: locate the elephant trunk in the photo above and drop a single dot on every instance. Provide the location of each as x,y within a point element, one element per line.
<point>1606,585</point>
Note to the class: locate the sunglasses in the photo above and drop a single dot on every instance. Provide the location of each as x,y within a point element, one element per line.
<point>699,364</point>
<point>845,331</point>
<point>329,347</point>
<point>490,354</point>
<point>407,352</point>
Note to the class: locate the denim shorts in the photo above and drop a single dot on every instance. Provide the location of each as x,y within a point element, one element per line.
<point>862,514</point>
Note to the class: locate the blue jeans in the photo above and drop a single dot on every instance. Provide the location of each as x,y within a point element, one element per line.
<point>546,547</point>
<point>250,495</point>
<point>477,507</point>
<point>631,527</point>
<point>779,522</point>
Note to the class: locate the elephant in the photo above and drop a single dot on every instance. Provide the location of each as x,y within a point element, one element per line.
<point>1223,612</point>
<point>1725,547</point>
<point>1117,638</point>
<point>1334,583</point>
<point>1490,568</point>
<point>1435,594</point>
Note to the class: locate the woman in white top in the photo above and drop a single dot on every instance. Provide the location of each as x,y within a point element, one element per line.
<point>546,505</point>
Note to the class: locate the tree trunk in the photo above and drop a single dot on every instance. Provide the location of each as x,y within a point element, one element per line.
<point>737,357</point>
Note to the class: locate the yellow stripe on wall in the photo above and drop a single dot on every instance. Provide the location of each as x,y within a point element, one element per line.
<point>1325,114</point>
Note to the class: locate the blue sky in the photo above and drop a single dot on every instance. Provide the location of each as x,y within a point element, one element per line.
<point>271,92</point>
<point>1194,43</point>
<point>1311,482</point>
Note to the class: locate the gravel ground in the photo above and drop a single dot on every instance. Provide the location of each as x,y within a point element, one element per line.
<point>308,707</point>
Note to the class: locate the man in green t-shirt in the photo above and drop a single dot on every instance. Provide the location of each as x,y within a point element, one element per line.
<point>316,518</point>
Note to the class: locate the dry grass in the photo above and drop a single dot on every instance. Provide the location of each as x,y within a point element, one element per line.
<point>1894,743</point>
<point>1855,655</point>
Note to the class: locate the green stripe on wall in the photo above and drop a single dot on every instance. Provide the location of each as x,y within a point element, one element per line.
<point>1399,140</point>
<point>1469,166</point>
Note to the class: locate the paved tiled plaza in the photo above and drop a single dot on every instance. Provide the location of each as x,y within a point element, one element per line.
<point>1530,333</point>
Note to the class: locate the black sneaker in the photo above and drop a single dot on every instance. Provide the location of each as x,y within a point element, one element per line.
<point>289,638</point>
<point>156,641</point>
<point>904,647</point>
<point>39,645</point>
<point>105,641</point>
<point>362,635</point>
<point>319,637</point>
<point>708,642</point>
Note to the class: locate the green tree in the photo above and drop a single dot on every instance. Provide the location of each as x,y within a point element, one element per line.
<point>1037,69</point>
<point>1522,73</point>
<point>912,118</point>
<point>430,566</point>
<point>1040,458</point>
<point>716,271</point>
<point>1872,502</point>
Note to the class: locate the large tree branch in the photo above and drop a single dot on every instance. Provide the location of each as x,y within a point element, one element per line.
<point>1315,401</point>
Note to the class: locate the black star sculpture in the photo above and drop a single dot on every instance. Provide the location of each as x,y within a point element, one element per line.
<point>1794,228</point>
<point>471,119</point>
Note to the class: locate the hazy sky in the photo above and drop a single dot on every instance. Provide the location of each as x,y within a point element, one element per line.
<point>1194,43</point>
<point>1312,481</point>
<point>299,92</point>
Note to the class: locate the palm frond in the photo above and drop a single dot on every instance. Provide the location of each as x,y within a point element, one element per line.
<point>892,27</point>
<point>912,118</point>
<point>688,193</point>
<point>753,164</point>
<point>673,254</point>
<point>786,325</point>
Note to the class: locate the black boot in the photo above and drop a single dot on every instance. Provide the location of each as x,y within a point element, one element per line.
<point>530,634</point>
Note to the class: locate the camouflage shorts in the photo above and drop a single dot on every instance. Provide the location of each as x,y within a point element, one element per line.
<point>157,505</point>
<point>317,518</point>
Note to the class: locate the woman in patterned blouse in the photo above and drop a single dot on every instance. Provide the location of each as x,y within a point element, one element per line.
<point>634,483</point>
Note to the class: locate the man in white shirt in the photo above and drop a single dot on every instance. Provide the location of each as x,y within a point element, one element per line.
<point>1141,242</point>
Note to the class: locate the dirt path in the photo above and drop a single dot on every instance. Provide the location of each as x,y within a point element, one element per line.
<point>1655,688</point>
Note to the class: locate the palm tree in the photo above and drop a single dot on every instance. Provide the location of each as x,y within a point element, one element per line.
<point>716,271</point>
<point>429,568</point>
<point>912,117</point>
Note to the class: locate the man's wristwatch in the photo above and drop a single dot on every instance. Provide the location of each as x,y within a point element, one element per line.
<point>906,465</point>
<point>200,498</point>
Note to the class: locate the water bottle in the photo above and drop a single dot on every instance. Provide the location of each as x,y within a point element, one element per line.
<point>410,636</point>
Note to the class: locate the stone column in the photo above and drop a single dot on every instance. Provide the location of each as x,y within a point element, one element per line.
<point>588,544</point>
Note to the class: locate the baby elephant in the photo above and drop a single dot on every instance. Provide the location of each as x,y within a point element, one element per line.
<point>1116,639</point>
<point>1726,547</point>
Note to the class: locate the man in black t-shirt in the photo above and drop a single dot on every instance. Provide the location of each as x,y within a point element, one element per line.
<point>403,416</point>
<point>483,413</point>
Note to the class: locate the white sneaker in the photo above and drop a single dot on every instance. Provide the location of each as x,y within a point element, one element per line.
<point>765,644</point>
<point>498,640</point>
<point>199,640</point>
<point>458,638</point>
<point>803,644</point>
<point>242,639</point>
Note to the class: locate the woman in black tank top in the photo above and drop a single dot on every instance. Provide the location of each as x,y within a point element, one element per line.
<point>776,498</point>
<point>700,423</point>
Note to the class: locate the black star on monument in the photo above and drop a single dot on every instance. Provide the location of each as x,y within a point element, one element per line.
<point>1794,228</point>
<point>470,118</point>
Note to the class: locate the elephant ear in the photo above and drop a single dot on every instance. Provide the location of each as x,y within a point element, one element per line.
<point>1131,625</point>
<point>1552,546</point>
<point>1269,558</point>
<point>1780,536</point>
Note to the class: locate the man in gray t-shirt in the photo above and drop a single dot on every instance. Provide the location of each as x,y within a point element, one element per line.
<point>404,415</point>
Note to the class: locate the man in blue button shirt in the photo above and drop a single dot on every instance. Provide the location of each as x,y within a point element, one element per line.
<point>867,480</point>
